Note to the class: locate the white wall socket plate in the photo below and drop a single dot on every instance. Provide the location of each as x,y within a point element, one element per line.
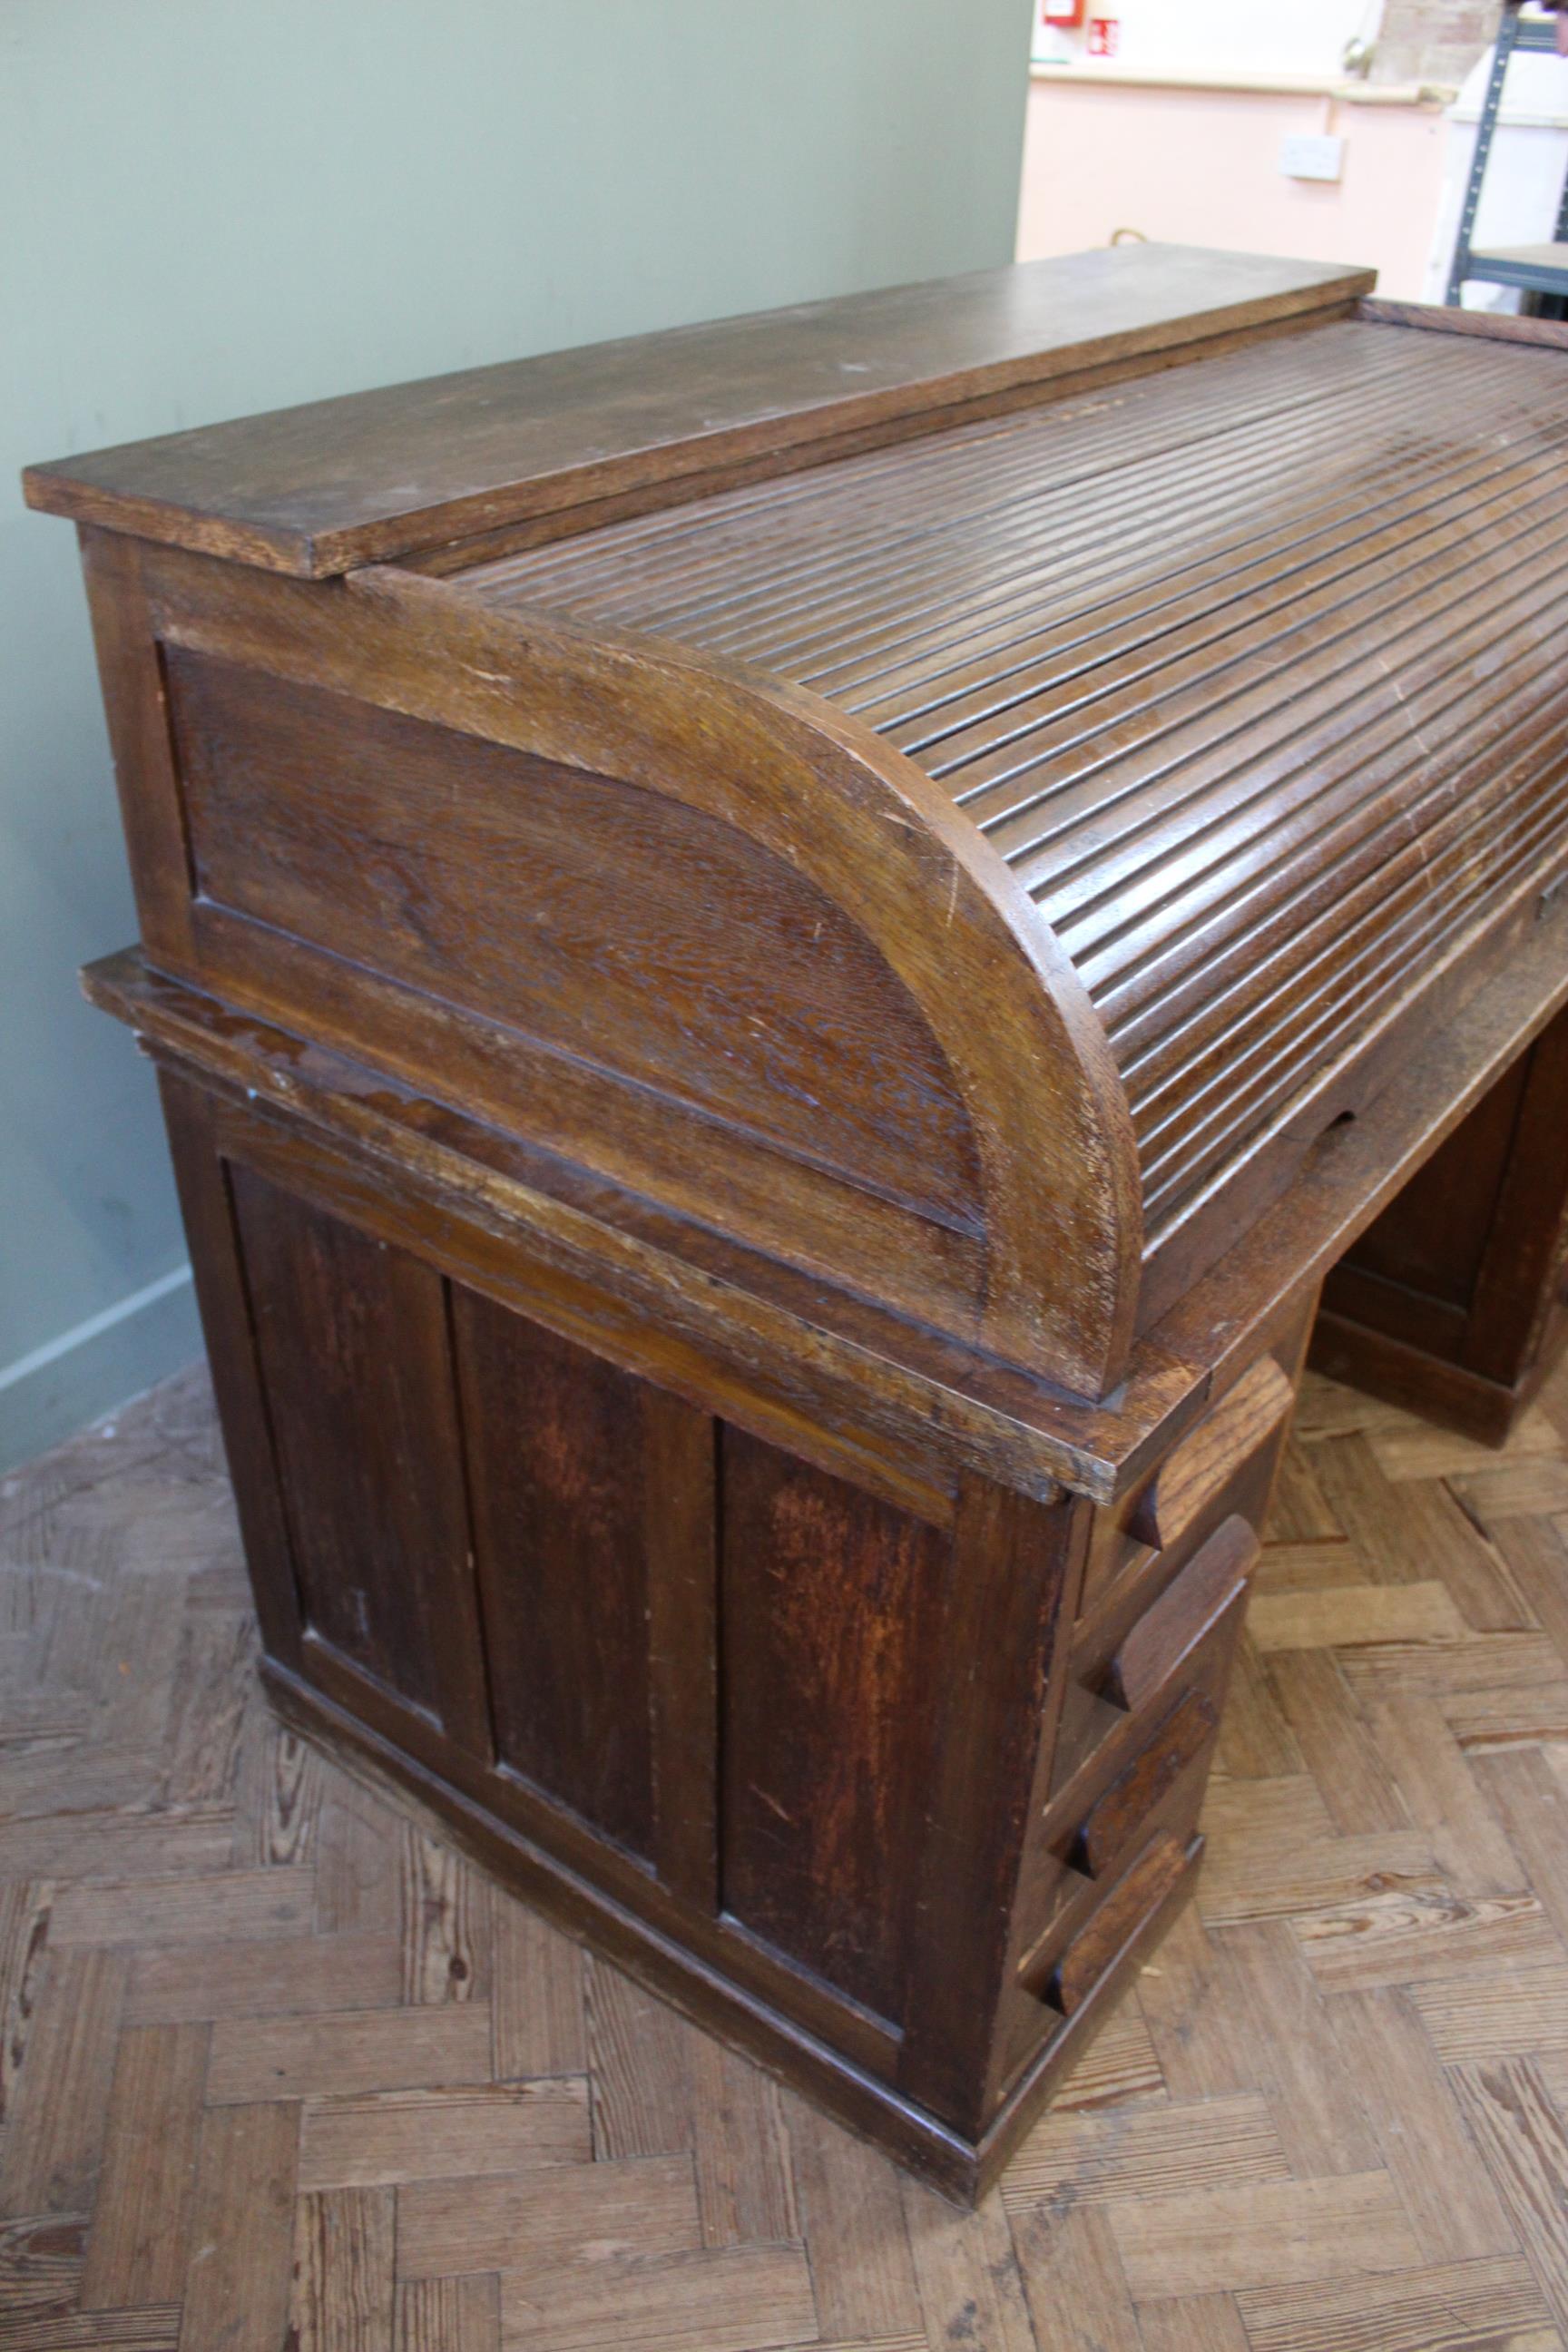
<point>1312,157</point>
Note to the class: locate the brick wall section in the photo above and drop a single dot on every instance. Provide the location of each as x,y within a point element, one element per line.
<point>1433,40</point>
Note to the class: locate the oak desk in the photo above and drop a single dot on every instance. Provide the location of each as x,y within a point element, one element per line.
<point>780,957</point>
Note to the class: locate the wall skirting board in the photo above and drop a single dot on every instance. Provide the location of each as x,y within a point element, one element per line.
<point>96,1365</point>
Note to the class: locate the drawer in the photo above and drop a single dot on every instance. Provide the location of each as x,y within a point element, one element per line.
<point>1209,1458</point>
<point>1131,1910</point>
<point>1176,1752</point>
<point>1128,1658</point>
<point>1155,1716</point>
<point>1223,1467</point>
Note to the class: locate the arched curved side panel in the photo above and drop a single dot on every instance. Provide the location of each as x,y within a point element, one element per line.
<point>973,1165</point>
<point>1058,1165</point>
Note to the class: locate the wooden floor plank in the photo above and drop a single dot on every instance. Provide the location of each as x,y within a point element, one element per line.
<point>137,1913</point>
<point>1493,2306</point>
<point>966,2274</point>
<point>1275,2011</point>
<point>1439,1785</point>
<point>357,1863</point>
<point>1352,1617</point>
<point>1397,1939</point>
<point>1107,2158</point>
<point>733,2299</point>
<point>1215,2240</point>
<point>41,2261</point>
<point>25,1905</point>
<point>387,2137</point>
<point>343,2284</point>
<point>1496,2014</point>
<point>1527,1796</point>
<point>741,2152</point>
<point>536,1996</point>
<point>459,2225</point>
<point>55,2139</point>
<point>852,2213</point>
<point>448,2315</point>
<point>274,1978</point>
<point>242,2233</point>
<point>1073,2277</point>
<point>1421,2138</point>
<point>446,1922</point>
<point>140,2243</point>
<point>1523,2141</point>
<point>639,2055</point>
<point>352,2049</point>
<point>149,2329</point>
<point>1335,1743</point>
<point>1195,2322</point>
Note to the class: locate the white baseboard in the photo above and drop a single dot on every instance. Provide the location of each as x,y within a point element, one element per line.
<point>57,1389</point>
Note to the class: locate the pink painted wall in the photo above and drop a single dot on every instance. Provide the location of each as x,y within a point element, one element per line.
<point>1202,167</point>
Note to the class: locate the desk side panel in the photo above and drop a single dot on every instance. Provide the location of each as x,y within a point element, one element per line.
<point>677,925</point>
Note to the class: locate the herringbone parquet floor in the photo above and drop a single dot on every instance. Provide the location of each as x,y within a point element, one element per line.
<point>274,2059</point>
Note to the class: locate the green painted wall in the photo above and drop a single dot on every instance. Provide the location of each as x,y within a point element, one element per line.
<point>214,207</point>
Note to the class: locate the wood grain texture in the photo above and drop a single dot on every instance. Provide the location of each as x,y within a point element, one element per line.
<point>342,2283</point>
<point>237,2288</point>
<point>317,488</point>
<point>579,909</point>
<point>53,2141</point>
<point>551,1440</point>
<point>845,1628</point>
<point>140,2243</point>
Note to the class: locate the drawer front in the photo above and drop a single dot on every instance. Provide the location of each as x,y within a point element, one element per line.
<point>1206,1463</point>
<point>1221,1467</point>
<point>1178,1748</point>
<point>1108,1937</point>
<point>1124,1667</point>
<point>1146,1722</point>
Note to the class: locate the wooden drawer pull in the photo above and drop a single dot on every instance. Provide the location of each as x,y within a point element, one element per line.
<point>1127,1909</point>
<point>1213,1581</point>
<point>1115,1820</point>
<point>1209,1459</point>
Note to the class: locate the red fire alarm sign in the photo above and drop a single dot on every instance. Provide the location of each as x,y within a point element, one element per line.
<point>1104,36</point>
<point>1061,12</point>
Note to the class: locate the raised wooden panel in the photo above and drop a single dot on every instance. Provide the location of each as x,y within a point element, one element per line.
<point>601,917</point>
<point>830,1610</point>
<point>563,1513</point>
<point>351,1339</point>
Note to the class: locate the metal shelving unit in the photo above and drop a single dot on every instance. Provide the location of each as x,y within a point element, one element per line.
<point>1538,268</point>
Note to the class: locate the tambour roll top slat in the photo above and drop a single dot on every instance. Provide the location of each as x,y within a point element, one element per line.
<point>1249,672</point>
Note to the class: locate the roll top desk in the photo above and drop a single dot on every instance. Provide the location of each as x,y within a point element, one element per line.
<point>779,956</point>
